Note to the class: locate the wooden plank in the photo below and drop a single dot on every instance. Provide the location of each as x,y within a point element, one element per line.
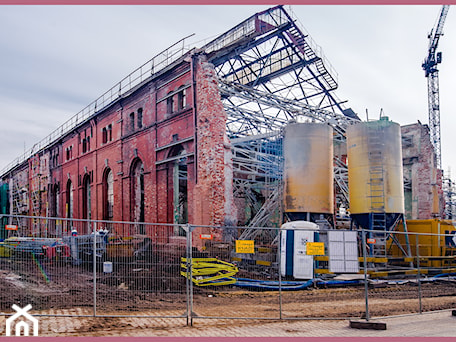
<point>367,325</point>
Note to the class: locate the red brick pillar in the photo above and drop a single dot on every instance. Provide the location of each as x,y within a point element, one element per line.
<point>213,195</point>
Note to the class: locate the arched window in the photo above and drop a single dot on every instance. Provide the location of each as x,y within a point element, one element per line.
<point>86,198</point>
<point>137,193</point>
<point>108,195</point>
<point>140,118</point>
<point>181,99</point>
<point>170,103</point>
<point>132,122</point>
<point>53,200</point>
<point>69,200</point>
<point>180,196</point>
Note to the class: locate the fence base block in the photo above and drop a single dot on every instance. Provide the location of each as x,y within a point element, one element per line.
<point>367,325</point>
<point>453,312</point>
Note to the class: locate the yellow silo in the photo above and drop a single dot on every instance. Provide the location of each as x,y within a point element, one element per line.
<point>375,174</point>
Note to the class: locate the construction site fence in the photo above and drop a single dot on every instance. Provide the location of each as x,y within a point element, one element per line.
<point>76,267</point>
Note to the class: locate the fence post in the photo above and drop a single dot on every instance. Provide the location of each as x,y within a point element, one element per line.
<point>366,287</point>
<point>94,265</point>
<point>189,282</point>
<point>418,272</point>
<point>279,268</point>
<point>190,229</point>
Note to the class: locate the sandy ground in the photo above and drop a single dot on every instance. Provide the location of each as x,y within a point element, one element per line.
<point>60,292</point>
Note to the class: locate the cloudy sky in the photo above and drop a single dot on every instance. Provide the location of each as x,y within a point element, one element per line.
<point>55,60</point>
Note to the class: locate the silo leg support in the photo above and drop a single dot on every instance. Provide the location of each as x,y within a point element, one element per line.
<point>407,241</point>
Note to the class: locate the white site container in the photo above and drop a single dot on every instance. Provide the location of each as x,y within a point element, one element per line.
<point>294,260</point>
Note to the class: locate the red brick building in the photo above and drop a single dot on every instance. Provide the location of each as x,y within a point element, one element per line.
<point>136,159</point>
<point>190,136</point>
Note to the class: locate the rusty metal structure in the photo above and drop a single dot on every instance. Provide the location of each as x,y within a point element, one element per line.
<point>272,73</point>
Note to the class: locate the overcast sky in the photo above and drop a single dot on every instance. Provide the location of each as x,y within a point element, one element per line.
<point>55,60</point>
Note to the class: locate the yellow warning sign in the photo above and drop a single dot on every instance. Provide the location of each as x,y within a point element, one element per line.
<point>315,248</point>
<point>245,246</point>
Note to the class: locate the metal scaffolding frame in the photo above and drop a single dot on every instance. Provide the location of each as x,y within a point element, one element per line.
<point>271,73</point>
<point>449,193</point>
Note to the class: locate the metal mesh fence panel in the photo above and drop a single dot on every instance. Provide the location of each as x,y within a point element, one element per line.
<point>94,267</point>
<point>140,271</point>
<point>105,268</point>
<point>417,275</point>
<point>36,268</point>
<point>234,277</point>
<point>320,274</point>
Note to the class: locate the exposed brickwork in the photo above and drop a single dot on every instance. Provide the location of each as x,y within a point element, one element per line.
<point>213,194</point>
<point>426,198</point>
<point>154,126</point>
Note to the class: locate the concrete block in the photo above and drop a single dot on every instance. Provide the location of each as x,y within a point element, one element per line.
<point>367,325</point>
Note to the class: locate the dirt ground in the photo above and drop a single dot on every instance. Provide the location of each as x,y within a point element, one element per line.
<point>158,289</point>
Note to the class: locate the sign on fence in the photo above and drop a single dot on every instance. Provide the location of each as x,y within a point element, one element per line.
<point>245,246</point>
<point>315,248</point>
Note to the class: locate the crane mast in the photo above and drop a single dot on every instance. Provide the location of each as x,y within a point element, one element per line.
<point>432,74</point>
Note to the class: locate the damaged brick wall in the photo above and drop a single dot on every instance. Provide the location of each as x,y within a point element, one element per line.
<point>425,198</point>
<point>213,200</point>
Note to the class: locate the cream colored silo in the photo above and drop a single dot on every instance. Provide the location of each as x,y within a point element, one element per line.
<point>308,168</point>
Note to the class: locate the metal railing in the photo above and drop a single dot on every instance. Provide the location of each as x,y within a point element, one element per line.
<point>127,84</point>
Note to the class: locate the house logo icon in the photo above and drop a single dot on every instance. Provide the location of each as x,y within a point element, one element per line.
<point>21,325</point>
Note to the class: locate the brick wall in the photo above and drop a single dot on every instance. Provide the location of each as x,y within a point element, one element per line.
<point>426,198</point>
<point>118,140</point>
<point>213,200</point>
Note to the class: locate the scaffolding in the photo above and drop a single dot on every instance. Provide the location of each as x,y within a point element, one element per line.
<point>449,192</point>
<point>272,73</point>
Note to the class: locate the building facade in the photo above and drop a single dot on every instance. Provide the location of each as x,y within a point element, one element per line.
<point>137,160</point>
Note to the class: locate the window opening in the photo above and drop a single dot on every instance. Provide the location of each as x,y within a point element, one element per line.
<point>86,200</point>
<point>181,99</point>
<point>69,204</point>
<point>132,122</point>
<point>137,200</point>
<point>170,105</point>
<point>180,194</point>
<point>108,195</point>
<point>104,135</point>
<point>140,118</point>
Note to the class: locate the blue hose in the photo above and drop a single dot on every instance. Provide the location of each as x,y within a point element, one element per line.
<point>443,275</point>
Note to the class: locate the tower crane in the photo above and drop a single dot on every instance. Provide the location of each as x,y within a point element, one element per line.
<point>432,74</point>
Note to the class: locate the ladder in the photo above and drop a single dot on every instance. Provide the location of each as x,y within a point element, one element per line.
<point>304,44</point>
<point>377,216</point>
